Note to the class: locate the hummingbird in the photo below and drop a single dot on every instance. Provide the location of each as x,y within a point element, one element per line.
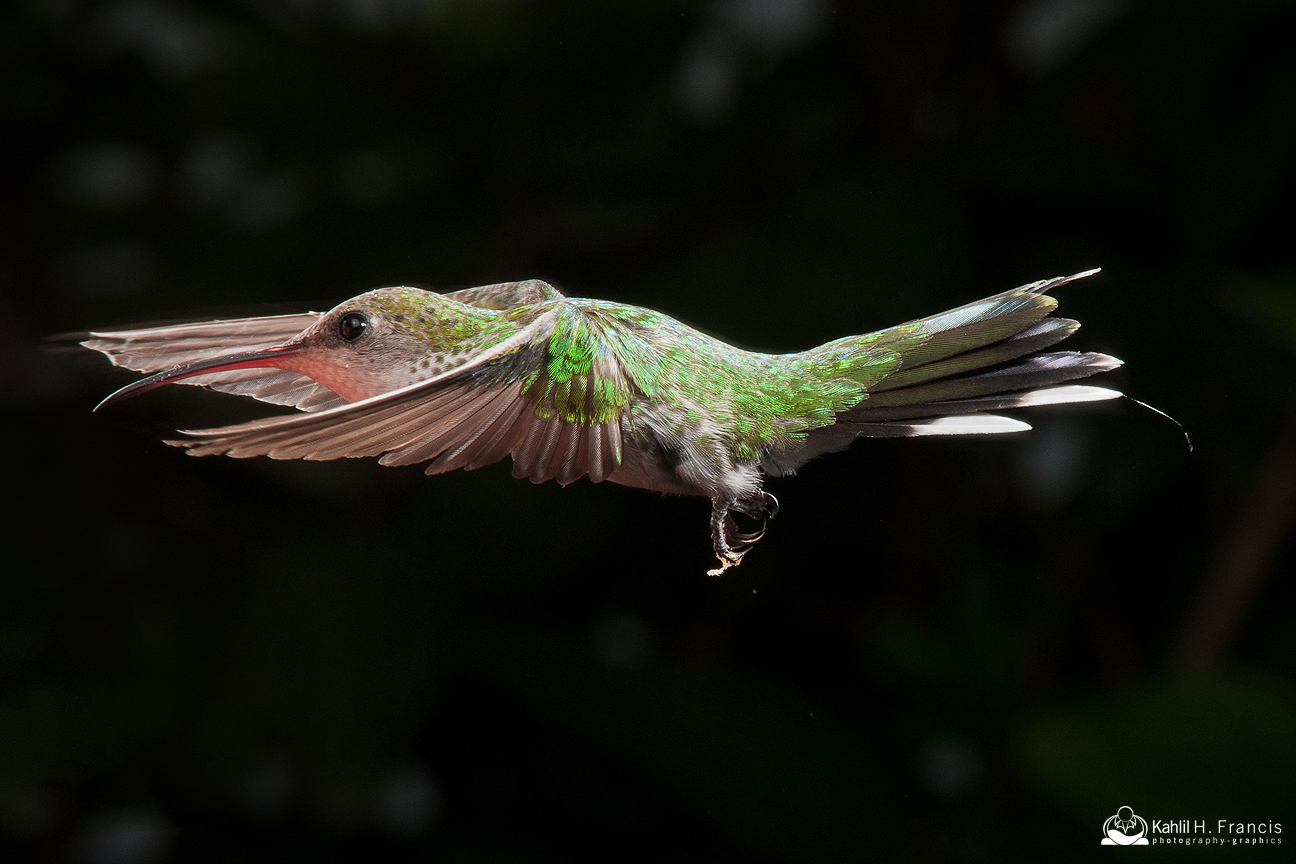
<point>574,387</point>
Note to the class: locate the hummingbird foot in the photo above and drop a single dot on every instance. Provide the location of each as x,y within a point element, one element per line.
<point>730,543</point>
<point>758,505</point>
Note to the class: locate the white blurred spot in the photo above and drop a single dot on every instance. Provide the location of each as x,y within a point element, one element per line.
<point>108,174</point>
<point>215,169</point>
<point>112,269</point>
<point>622,639</point>
<point>220,173</point>
<point>373,17</point>
<point>709,69</point>
<point>773,26</point>
<point>267,789</point>
<point>1042,34</point>
<point>706,81</point>
<point>268,201</point>
<point>136,835</point>
<point>409,801</point>
<point>948,768</point>
<point>1050,463</point>
<point>173,40</point>
<point>385,16</point>
<point>368,178</point>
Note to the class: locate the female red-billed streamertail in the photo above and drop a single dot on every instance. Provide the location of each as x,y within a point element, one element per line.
<point>571,387</point>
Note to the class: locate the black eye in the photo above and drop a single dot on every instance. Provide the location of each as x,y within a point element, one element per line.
<point>352,325</point>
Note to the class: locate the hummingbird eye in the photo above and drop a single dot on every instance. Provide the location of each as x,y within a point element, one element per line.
<point>352,325</point>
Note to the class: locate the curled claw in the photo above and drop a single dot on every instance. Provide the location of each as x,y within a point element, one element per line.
<point>741,541</point>
<point>731,544</point>
<point>758,505</point>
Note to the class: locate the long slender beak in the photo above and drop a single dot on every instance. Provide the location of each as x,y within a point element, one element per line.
<point>246,360</point>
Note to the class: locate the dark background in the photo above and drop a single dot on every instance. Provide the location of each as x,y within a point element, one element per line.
<point>943,650</point>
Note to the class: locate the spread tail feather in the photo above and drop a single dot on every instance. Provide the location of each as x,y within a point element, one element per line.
<point>986,356</point>
<point>934,398</point>
<point>959,417</point>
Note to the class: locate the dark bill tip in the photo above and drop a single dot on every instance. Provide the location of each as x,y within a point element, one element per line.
<point>247,360</point>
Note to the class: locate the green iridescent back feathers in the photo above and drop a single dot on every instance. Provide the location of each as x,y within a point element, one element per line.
<point>598,350</point>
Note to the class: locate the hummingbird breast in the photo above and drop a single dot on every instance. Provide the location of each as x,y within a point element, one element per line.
<point>657,457</point>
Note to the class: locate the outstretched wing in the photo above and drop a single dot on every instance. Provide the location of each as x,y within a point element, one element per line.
<point>507,295</point>
<point>552,395</point>
<point>156,348</point>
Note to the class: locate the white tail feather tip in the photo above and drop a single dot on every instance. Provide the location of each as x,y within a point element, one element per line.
<point>1064,395</point>
<point>970,424</point>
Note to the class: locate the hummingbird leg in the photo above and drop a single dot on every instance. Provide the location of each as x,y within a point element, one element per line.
<point>722,525</point>
<point>730,543</point>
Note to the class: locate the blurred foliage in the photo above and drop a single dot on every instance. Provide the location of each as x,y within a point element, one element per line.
<point>947,650</point>
<point>1181,746</point>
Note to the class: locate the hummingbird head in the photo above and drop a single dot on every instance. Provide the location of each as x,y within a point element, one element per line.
<point>375,343</point>
<point>371,344</point>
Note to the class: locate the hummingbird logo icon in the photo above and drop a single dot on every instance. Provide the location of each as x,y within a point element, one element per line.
<point>1125,829</point>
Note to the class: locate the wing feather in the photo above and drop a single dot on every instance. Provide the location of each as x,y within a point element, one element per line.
<point>479,443</point>
<point>563,466</point>
<point>594,454</point>
<point>483,425</point>
<point>510,430</point>
<point>579,464</point>
<point>478,411</point>
<point>507,295</point>
<point>152,349</point>
<point>525,454</point>
<point>540,471</point>
<point>468,417</point>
